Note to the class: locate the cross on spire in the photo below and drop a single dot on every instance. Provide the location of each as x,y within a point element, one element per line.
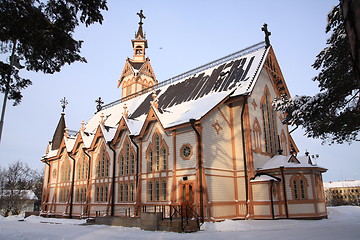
<point>99,104</point>
<point>267,34</point>
<point>141,16</point>
<point>63,102</point>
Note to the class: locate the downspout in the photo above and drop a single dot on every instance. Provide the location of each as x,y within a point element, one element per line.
<point>244,157</point>
<point>88,182</point>
<point>47,185</point>
<point>137,161</point>
<point>284,190</point>
<point>72,187</point>
<point>113,181</point>
<point>198,137</point>
<point>137,171</point>
<point>271,198</point>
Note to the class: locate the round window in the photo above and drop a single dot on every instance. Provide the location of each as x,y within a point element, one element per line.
<point>186,151</point>
<point>54,173</point>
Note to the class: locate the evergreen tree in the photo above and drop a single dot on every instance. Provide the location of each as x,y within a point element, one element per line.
<point>332,115</point>
<point>40,33</point>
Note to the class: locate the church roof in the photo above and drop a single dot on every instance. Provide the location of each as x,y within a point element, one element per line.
<point>136,65</point>
<point>188,96</point>
<point>193,95</point>
<point>286,162</point>
<point>59,133</point>
<point>140,33</point>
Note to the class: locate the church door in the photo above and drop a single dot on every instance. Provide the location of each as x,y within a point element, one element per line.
<point>186,196</point>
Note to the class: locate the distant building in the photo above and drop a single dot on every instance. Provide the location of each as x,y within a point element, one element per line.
<point>342,193</point>
<point>18,201</point>
<point>207,142</point>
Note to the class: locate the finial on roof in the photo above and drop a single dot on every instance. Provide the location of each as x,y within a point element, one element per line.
<point>125,112</point>
<point>63,102</point>
<point>155,101</point>
<point>66,134</point>
<point>140,34</point>
<point>99,104</point>
<point>102,121</point>
<point>267,34</point>
<point>141,16</point>
<point>82,129</point>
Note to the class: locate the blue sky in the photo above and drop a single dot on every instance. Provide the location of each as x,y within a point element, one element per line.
<point>182,35</point>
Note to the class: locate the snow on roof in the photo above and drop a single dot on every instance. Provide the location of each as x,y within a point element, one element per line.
<point>184,112</point>
<point>341,184</point>
<point>263,178</point>
<point>87,138</point>
<point>283,161</point>
<point>69,143</point>
<point>108,132</point>
<point>189,98</point>
<point>23,194</point>
<point>135,125</point>
<point>113,114</point>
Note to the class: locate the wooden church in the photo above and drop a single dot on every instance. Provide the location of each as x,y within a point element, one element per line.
<point>206,142</point>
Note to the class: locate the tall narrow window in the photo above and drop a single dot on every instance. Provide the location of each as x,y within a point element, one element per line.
<point>126,192</point>
<point>269,124</point>
<point>302,189</point>
<point>157,190</point>
<point>121,193</point>
<point>101,193</point>
<point>97,194</point>
<point>107,167</point>
<point>295,186</point>
<point>122,162</point>
<point>98,169</point>
<point>127,159</point>
<point>132,161</point>
<point>150,190</point>
<point>103,164</point>
<point>106,192</point>
<point>151,160</point>
<point>163,153</point>
<point>132,190</point>
<point>164,190</point>
<point>157,152</point>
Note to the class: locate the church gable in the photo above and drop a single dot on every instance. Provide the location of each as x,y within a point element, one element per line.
<point>127,71</point>
<point>274,71</point>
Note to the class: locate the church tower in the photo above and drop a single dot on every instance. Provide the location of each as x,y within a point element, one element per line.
<point>137,74</point>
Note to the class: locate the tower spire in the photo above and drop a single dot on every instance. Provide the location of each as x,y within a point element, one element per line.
<point>140,33</point>
<point>140,42</point>
<point>138,73</point>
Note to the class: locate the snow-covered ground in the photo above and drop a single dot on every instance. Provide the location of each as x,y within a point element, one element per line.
<point>343,223</point>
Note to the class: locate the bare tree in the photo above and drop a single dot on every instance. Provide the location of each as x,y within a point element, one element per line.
<point>15,183</point>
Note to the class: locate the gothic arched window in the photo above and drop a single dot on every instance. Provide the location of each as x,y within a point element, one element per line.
<point>157,161</point>
<point>257,135</point>
<point>299,186</point>
<point>103,163</point>
<point>269,123</point>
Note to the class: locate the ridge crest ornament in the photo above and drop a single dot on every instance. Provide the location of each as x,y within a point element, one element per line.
<point>267,34</point>
<point>141,16</point>
<point>64,102</point>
